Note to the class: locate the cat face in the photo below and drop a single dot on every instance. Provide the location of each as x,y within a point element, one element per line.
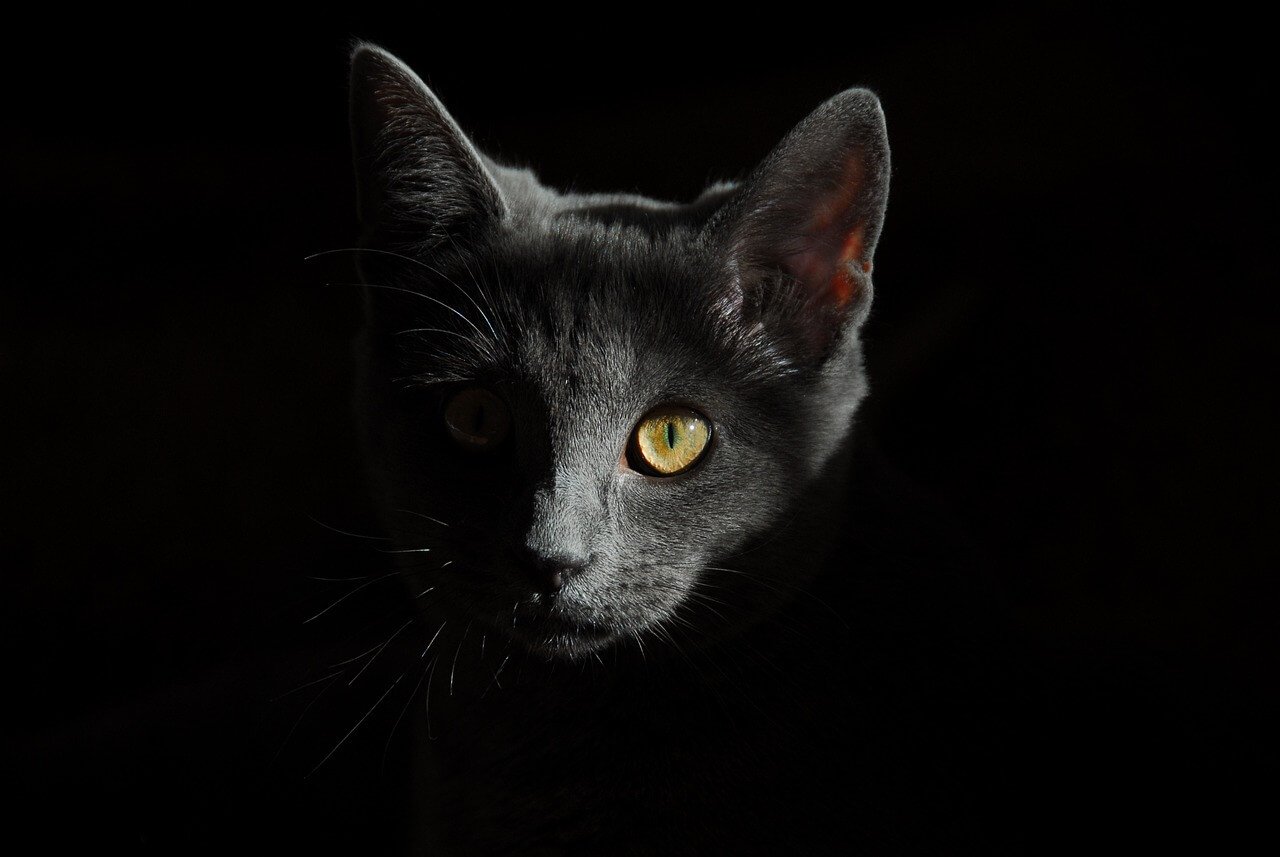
<point>576,408</point>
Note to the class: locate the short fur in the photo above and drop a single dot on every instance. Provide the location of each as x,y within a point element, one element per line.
<point>687,690</point>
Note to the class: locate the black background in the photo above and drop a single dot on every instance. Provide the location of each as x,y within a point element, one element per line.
<point>1069,347</point>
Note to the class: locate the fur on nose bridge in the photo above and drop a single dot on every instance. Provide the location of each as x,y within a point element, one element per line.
<point>566,513</point>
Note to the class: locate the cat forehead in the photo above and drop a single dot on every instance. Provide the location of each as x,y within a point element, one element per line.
<point>586,240</point>
<point>596,279</point>
<point>610,325</point>
<point>602,310</point>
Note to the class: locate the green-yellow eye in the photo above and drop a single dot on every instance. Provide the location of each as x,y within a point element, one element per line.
<point>477,418</point>
<point>669,440</point>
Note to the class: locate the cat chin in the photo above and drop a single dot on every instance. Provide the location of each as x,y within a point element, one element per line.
<point>567,647</point>
<point>556,638</point>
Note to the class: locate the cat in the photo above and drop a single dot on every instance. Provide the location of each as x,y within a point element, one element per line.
<point>614,441</point>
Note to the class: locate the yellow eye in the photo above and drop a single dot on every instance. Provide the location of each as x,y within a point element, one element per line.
<point>669,440</point>
<point>477,419</point>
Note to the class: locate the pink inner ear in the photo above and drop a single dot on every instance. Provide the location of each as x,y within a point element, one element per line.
<point>833,243</point>
<point>843,285</point>
<point>828,271</point>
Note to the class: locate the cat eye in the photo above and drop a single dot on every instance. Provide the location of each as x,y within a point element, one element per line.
<point>669,440</point>
<point>477,419</point>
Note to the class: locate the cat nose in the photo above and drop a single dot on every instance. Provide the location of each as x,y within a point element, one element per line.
<point>550,573</point>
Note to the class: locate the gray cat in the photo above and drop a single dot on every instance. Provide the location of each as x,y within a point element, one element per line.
<point>612,439</point>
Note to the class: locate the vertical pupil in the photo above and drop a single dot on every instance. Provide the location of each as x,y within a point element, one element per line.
<point>671,434</point>
<point>478,422</point>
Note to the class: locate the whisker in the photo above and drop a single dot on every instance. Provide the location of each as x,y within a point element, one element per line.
<point>433,638</point>
<point>353,592</point>
<point>427,700</point>
<point>408,702</point>
<point>380,648</point>
<point>433,300</point>
<point>636,635</point>
<point>434,330</point>
<point>357,657</point>
<point>420,515</point>
<point>345,533</point>
<point>303,716</point>
<point>425,266</point>
<point>305,686</point>
<point>354,728</point>
<point>336,250</point>
<point>454,668</point>
<point>776,586</point>
<point>706,602</point>
<point>501,666</point>
<point>462,258</point>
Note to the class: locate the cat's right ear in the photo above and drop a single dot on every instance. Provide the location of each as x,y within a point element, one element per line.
<point>420,181</point>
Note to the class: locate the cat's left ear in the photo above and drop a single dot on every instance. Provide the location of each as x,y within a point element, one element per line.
<point>801,233</point>
<point>420,179</point>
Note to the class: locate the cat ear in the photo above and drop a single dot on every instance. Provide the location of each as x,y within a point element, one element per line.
<point>801,232</point>
<point>420,180</point>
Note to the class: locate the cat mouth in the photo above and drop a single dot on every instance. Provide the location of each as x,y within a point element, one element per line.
<point>556,624</point>
<point>554,634</point>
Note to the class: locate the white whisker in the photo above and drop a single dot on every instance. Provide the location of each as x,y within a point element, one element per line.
<point>433,639</point>
<point>357,726</point>
<point>420,515</point>
<point>352,592</point>
<point>375,654</point>
<point>345,533</point>
<point>453,669</point>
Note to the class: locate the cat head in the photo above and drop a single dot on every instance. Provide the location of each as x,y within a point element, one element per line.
<point>581,410</point>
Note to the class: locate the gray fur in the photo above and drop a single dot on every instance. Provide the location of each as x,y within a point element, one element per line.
<point>583,312</point>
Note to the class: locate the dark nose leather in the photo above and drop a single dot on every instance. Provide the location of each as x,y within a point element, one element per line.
<point>549,573</point>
